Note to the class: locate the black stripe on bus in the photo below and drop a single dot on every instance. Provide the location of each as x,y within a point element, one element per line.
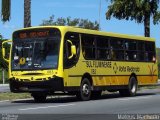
<point>107,75</point>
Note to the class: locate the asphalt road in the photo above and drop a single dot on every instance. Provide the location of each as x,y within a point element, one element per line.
<point>110,106</point>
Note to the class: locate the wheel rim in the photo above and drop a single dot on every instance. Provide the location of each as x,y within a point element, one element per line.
<point>133,87</point>
<point>85,89</point>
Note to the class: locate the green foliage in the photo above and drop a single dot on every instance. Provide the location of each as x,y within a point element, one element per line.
<point>159,70</point>
<point>4,64</point>
<point>6,10</point>
<point>134,10</point>
<point>158,54</point>
<point>1,37</point>
<point>138,10</point>
<point>158,58</point>
<point>13,96</point>
<point>83,23</point>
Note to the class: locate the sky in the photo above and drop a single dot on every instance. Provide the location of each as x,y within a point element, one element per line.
<point>85,9</point>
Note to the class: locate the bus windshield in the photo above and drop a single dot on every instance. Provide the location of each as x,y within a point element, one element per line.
<point>35,53</point>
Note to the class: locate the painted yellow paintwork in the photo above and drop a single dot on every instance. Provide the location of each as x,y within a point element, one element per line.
<point>110,73</point>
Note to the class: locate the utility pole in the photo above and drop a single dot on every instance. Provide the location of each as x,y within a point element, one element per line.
<point>100,4</point>
<point>3,75</point>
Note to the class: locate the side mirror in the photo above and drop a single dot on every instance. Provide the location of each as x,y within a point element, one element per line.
<point>71,49</point>
<point>3,53</point>
<point>4,50</point>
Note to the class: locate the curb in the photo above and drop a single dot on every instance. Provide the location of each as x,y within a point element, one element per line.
<point>4,85</point>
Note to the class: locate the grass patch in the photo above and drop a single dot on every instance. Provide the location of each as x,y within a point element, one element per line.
<point>13,96</point>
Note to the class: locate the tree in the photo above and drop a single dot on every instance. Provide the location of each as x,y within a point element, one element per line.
<point>27,13</point>
<point>6,10</point>
<point>139,10</point>
<point>1,36</point>
<point>83,23</point>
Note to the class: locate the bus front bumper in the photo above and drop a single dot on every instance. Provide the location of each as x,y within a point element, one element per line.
<point>54,84</point>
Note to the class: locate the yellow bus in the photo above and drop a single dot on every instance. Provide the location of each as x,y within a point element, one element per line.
<point>81,62</point>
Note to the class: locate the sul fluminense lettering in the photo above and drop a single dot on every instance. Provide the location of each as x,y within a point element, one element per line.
<point>98,64</point>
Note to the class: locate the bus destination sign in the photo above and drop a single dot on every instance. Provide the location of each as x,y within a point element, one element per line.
<point>34,33</point>
<point>24,35</point>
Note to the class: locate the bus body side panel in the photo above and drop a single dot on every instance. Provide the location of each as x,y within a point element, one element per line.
<point>106,73</point>
<point>73,75</point>
<point>111,77</point>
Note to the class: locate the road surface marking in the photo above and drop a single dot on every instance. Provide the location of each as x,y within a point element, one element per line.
<point>45,107</point>
<point>135,98</point>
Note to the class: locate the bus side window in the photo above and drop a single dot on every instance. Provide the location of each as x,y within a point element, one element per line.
<point>146,56</point>
<point>113,55</point>
<point>141,51</point>
<point>88,46</point>
<point>117,48</point>
<point>126,45</point>
<point>126,56</point>
<point>150,50</point>
<point>108,55</point>
<point>102,48</point>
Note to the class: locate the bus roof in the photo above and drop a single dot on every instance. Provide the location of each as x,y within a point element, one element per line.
<point>94,32</point>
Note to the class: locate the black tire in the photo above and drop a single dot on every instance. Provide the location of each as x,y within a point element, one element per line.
<point>11,86</point>
<point>85,90</point>
<point>132,88</point>
<point>39,98</point>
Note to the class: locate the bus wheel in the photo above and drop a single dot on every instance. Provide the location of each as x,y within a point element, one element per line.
<point>39,98</point>
<point>85,90</point>
<point>132,88</point>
